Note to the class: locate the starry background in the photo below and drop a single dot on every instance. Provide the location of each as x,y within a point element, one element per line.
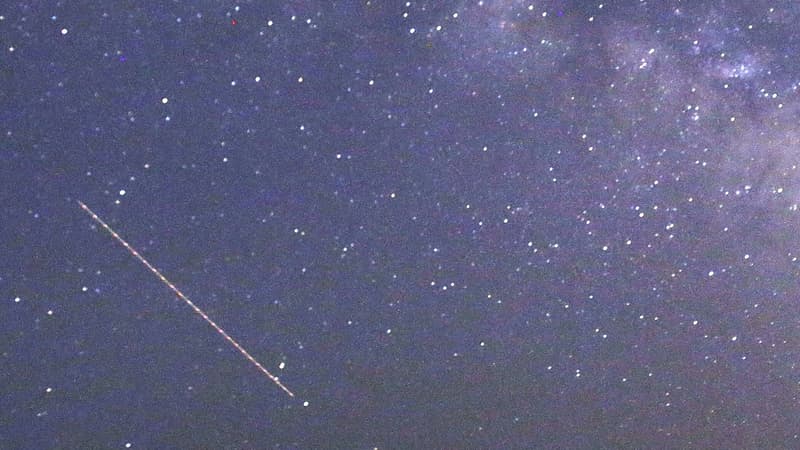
<point>444,224</point>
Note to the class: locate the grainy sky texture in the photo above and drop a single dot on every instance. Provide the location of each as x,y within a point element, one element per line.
<point>443,224</point>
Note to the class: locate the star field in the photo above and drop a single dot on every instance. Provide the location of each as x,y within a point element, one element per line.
<point>451,224</point>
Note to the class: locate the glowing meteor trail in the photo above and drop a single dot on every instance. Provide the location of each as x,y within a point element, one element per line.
<point>180,295</point>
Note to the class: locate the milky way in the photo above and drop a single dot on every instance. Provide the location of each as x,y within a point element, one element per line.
<point>451,224</point>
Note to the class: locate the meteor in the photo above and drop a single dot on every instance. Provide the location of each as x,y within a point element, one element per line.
<point>180,295</point>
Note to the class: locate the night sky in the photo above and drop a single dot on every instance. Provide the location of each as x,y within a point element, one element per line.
<point>442,224</point>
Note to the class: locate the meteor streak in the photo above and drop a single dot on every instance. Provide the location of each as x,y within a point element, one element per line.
<point>180,295</point>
